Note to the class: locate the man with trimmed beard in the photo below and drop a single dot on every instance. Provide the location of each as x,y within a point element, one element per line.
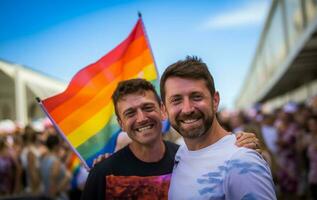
<point>142,169</point>
<point>209,166</point>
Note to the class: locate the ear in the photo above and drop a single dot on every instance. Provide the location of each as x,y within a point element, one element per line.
<point>163,112</point>
<point>216,101</point>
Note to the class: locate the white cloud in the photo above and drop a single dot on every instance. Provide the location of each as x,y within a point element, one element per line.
<point>253,13</point>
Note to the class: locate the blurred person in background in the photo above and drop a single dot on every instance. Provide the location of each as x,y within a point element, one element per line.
<point>269,133</point>
<point>288,177</point>
<point>30,158</point>
<point>269,140</point>
<point>55,176</point>
<point>312,155</point>
<point>224,119</point>
<point>15,145</point>
<point>312,103</point>
<point>237,121</point>
<point>9,170</point>
<point>301,117</point>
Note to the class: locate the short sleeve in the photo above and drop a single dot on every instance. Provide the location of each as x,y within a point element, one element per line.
<point>249,177</point>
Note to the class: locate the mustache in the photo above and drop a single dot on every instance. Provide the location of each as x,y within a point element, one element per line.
<point>144,123</point>
<point>193,115</point>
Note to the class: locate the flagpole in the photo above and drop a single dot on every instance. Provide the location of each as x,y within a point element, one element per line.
<point>149,44</point>
<point>60,132</point>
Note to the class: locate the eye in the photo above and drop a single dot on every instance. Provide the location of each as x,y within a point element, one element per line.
<point>129,113</point>
<point>175,100</point>
<point>197,97</point>
<point>148,108</point>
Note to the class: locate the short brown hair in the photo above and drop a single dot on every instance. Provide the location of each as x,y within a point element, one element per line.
<point>132,86</point>
<point>191,68</point>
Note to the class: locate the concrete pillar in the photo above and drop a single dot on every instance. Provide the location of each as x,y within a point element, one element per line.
<point>20,98</point>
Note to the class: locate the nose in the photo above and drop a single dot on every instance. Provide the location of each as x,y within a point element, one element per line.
<point>140,116</point>
<point>187,106</point>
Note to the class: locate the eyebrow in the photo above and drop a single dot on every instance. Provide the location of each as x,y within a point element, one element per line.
<point>197,92</point>
<point>148,104</point>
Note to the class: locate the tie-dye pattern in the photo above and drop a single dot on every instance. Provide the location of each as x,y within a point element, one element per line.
<point>221,171</point>
<point>213,181</point>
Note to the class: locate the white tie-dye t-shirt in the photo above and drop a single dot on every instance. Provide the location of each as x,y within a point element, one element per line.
<point>221,171</point>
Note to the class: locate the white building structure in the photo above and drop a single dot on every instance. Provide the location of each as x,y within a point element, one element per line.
<point>19,86</point>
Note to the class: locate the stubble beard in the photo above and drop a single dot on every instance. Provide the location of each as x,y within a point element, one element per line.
<point>197,131</point>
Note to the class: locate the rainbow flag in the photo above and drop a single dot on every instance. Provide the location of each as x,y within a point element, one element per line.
<point>84,113</point>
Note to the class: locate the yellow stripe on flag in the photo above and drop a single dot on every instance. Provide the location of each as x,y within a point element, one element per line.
<point>91,126</point>
<point>148,73</point>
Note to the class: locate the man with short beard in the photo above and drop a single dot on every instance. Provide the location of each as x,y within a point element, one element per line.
<point>209,166</point>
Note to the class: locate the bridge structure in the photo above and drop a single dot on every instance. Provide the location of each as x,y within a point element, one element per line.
<point>284,66</point>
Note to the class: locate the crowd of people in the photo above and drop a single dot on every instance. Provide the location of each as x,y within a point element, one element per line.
<point>35,164</point>
<point>289,140</point>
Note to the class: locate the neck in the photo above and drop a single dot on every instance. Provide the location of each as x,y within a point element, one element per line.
<point>215,133</point>
<point>148,153</point>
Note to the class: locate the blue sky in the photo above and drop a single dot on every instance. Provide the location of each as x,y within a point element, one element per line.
<point>59,37</point>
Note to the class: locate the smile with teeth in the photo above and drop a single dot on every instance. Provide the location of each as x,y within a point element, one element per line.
<point>189,121</point>
<point>144,128</point>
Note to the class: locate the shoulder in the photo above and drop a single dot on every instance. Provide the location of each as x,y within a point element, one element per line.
<point>248,174</point>
<point>171,145</point>
<point>248,155</point>
<point>106,166</point>
<point>248,161</point>
<point>171,148</point>
<point>95,183</point>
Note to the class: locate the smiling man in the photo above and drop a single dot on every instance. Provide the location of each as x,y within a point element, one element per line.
<point>142,169</point>
<point>210,165</point>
